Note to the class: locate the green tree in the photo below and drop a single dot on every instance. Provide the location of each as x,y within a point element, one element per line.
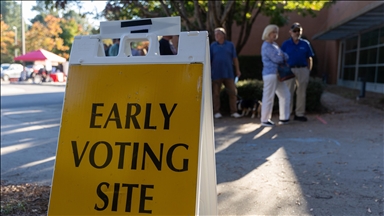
<point>46,36</point>
<point>82,22</point>
<point>11,15</point>
<point>43,11</point>
<point>207,15</point>
<point>7,43</point>
<point>70,22</point>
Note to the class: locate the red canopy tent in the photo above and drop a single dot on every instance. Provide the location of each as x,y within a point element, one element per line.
<point>40,55</point>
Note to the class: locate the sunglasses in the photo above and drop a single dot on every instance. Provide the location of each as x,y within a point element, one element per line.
<point>296,30</point>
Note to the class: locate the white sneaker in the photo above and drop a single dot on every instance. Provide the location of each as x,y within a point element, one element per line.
<point>217,115</point>
<point>235,115</point>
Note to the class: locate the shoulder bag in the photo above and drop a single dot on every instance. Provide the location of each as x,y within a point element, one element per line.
<point>284,72</point>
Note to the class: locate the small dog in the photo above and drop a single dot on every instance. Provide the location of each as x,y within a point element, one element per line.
<point>245,106</point>
<point>256,111</point>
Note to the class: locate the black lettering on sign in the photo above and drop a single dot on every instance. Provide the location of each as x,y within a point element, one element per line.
<point>115,197</point>
<point>102,196</point>
<point>134,155</point>
<point>76,153</point>
<point>122,153</point>
<point>94,114</point>
<point>133,111</point>
<point>170,155</point>
<point>156,162</point>
<point>130,116</point>
<point>148,117</point>
<point>108,156</point>
<point>143,197</point>
<point>121,148</point>
<point>167,115</point>
<point>117,192</point>
<point>115,113</point>
<point>128,203</point>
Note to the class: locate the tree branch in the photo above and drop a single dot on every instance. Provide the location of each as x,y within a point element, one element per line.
<point>214,18</point>
<point>184,11</point>
<point>144,10</point>
<point>248,28</point>
<point>239,40</point>
<point>165,8</point>
<point>198,14</point>
<point>183,14</point>
<point>227,9</point>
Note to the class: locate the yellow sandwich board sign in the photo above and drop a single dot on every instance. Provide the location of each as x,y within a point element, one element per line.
<point>136,134</point>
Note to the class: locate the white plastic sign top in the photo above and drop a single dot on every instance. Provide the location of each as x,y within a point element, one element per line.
<point>136,135</point>
<point>89,49</point>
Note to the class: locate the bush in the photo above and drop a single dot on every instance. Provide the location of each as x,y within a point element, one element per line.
<point>253,89</point>
<point>250,67</point>
<point>314,91</point>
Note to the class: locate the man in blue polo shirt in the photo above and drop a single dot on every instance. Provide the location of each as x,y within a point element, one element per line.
<point>223,58</point>
<point>300,59</point>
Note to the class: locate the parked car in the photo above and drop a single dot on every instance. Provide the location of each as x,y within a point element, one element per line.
<point>5,66</point>
<point>13,71</point>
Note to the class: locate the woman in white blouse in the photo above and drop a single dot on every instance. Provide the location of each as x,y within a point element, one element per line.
<point>272,56</point>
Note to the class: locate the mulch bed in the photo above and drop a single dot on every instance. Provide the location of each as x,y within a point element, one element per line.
<point>24,199</point>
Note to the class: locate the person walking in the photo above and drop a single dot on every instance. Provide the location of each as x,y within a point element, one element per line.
<point>272,56</point>
<point>223,58</point>
<point>300,60</point>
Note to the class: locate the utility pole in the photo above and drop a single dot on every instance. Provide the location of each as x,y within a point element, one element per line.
<point>15,28</point>
<point>22,29</point>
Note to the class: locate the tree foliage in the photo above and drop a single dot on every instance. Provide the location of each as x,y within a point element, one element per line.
<point>11,14</point>
<point>208,15</point>
<point>71,24</point>
<point>7,42</point>
<point>46,36</point>
<point>52,29</point>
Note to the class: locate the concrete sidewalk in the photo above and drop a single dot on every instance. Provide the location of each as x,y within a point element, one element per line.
<point>330,165</point>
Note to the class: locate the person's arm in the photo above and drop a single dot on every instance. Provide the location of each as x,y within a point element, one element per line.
<point>275,55</point>
<point>310,55</point>
<point>235,60</point>
<point>310,63</point>
<point>236,63</point>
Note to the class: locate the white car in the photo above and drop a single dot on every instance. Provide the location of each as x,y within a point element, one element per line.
<point>5,66</point>
<point>13,71</point>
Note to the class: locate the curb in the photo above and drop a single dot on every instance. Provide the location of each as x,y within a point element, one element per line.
<point>31,83</point>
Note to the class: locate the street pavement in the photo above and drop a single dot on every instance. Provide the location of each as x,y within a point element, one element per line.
<point>330,165</point>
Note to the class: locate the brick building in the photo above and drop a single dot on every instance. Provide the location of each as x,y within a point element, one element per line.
<point>347,38</point>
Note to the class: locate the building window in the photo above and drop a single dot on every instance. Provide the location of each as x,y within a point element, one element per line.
<point>381,35</point>
<point>369,39</point>
<point>351,44</point>
<point>380,75</point>
<point>368,56</point>
<point>367,73</point>
<point>381,54</point>
<point>349,73</point>
<point>363,57</point>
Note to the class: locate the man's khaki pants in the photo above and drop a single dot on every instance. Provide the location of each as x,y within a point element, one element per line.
<point>232,94</point>
<point>299,83</point>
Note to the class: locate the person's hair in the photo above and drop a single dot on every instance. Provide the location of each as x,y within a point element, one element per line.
<point>268,30</point>
<point>222,30</point>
